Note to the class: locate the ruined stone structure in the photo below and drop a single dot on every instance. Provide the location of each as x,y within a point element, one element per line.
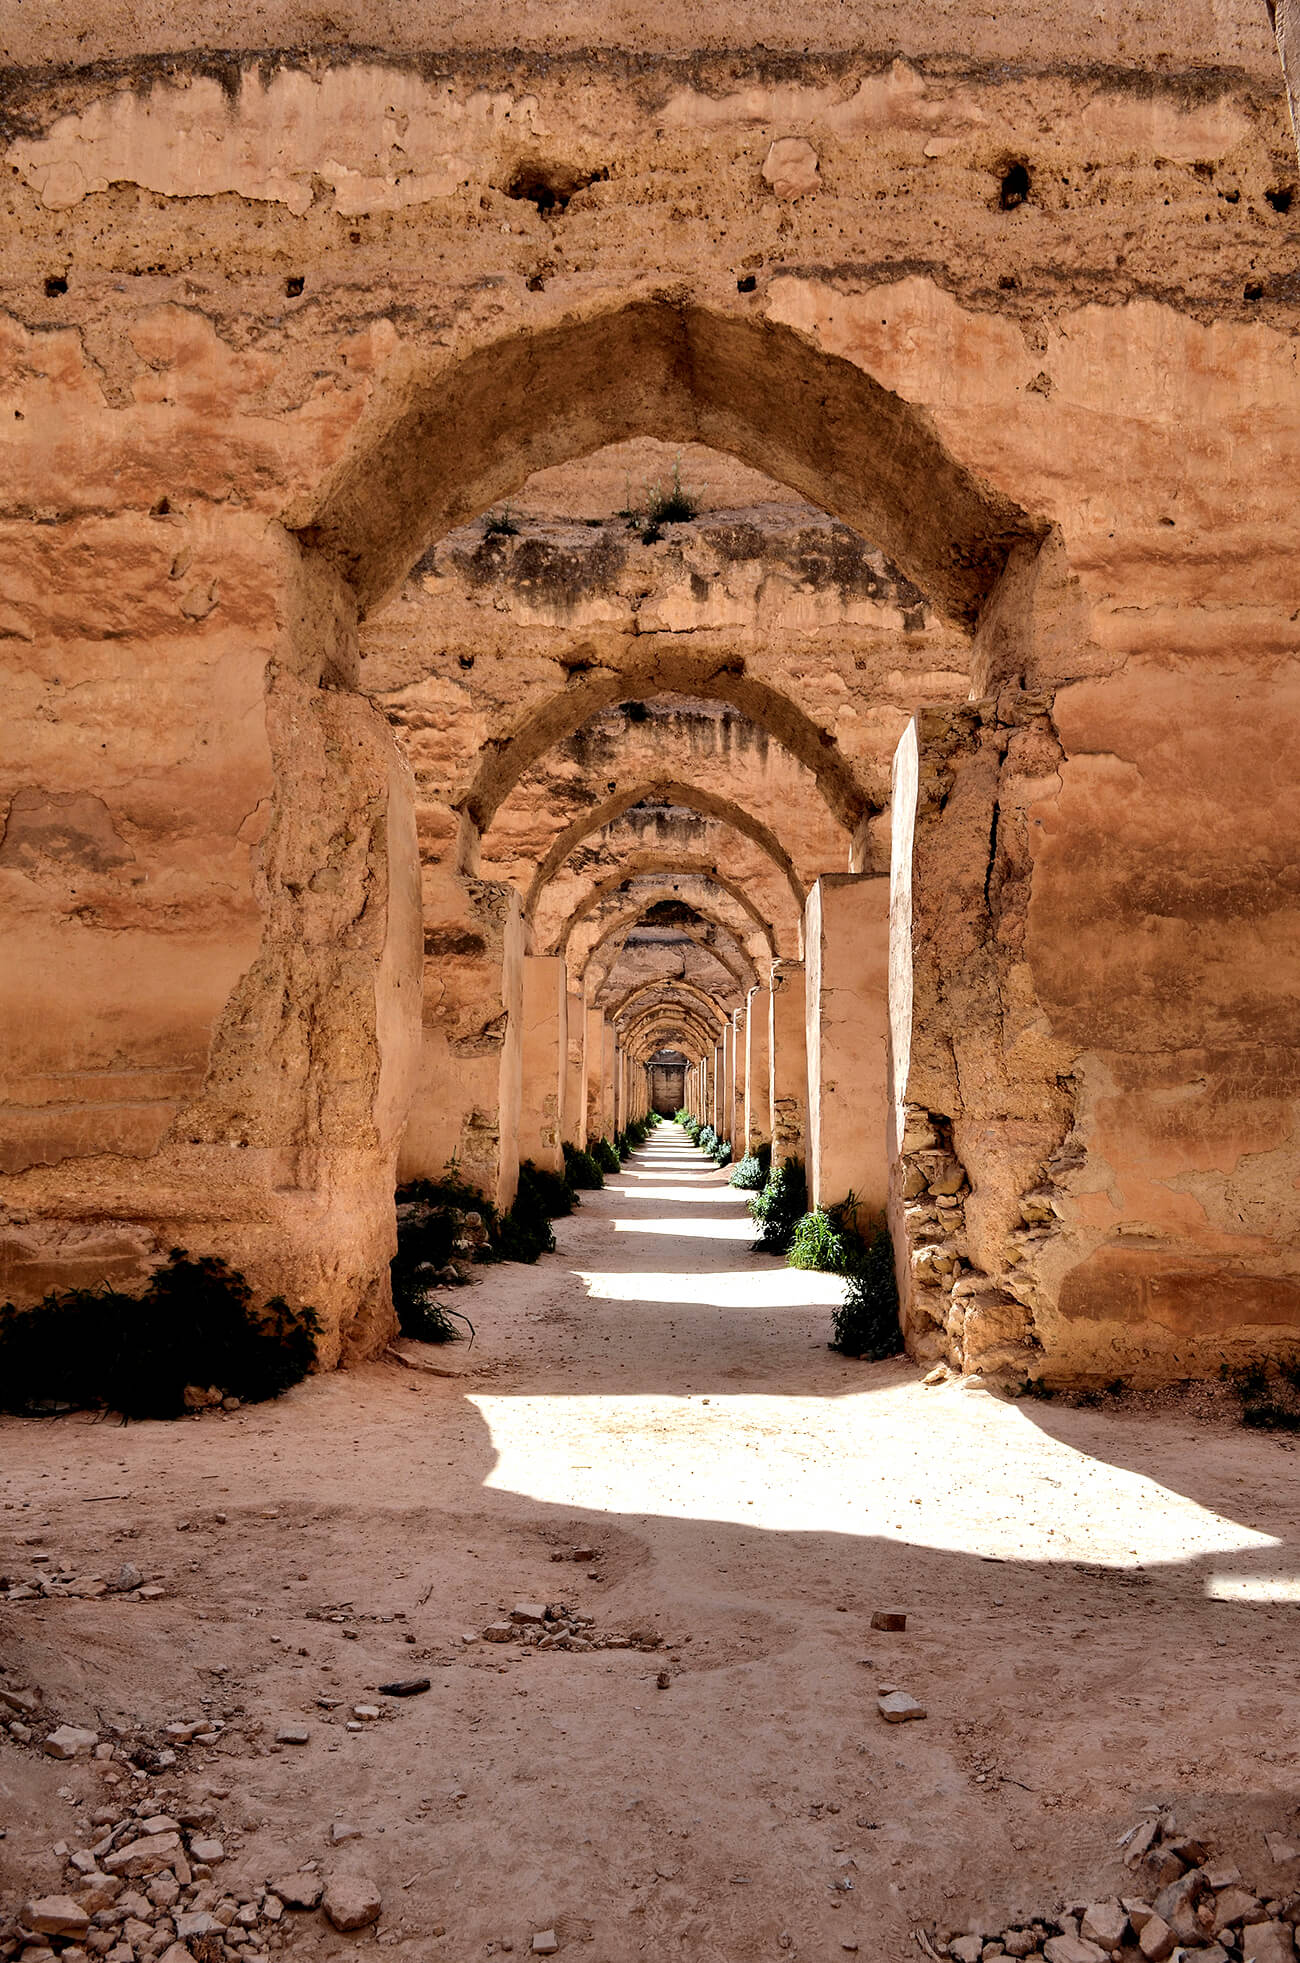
<point>380,795</point>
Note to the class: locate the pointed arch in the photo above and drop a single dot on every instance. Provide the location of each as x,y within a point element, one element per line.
<point>450,431</point>
<point>668,791</point>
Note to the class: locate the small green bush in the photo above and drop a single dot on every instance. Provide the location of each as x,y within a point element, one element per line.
<point>194,1325</point>
<point>501,524</point>
<point>750,1173</point>
<point>825,1240</point>
<point>722,1152</point>
<point>605,1155</point>
<point>866,1322</point>
<point>581,1170</point>
<point>547,1193</point>
<point>779,1207</point>
<point>1269,1393</point>
<point>428,1321</point>
<point>707,1139</point>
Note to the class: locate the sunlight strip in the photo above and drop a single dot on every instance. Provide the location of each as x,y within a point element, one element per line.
<point>1253,1588</point>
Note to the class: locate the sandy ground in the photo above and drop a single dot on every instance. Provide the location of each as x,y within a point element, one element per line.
<point>1102,1612</point>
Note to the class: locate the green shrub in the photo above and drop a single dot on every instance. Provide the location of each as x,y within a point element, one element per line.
<point>866,1322</point>
<point>605,1155</point>
<point>825,1239</point>
<point>779,1207</point>
<point>501,524</point>
<point>1269,1393</point>
<point>581,1171</point>
<point>428,1321</point>
<point>547,1193</point>
<point>707,1139</point>
<point>722,1152</point>
<point>194,1325</point>
<point>751,1172</point>
<point>682,1116</point>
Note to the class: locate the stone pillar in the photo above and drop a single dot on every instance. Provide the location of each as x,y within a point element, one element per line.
<point>593,1064</point>
<point>757,1129</point>
<point>787,1052</point>
<point>574,1123</point>
<point>611,1079</point>
<point>719,1080</point>
<point>846,953</point>
<point>739,1047</point>
<point>465,1109</point>
<point>545,1060</point>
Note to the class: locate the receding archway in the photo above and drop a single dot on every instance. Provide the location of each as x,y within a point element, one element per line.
<point>689,797</point>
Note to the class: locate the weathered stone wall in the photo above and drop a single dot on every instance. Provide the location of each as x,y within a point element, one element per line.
<point>275,331</point>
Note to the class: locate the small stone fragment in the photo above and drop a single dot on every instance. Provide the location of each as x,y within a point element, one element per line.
<point>148,1855</point>
<point>207,1851</point>
<point>1282,1849</point>
<point>405,1687</point>
<point>351,1902</point>
<point>528,1612</point>
<point>293,1734</point>
<point>1156,1940</point>
<point>367,1713</point>
<point>1073,1949</point>
<point>899,1707</point>
<point>56,1915</point>
<point>499,1632</point>
<point>341,1831</point>
<point>197,1922</point>
<point>70,1741</point>
<point>966,1949</point>
<point>1267,1942</point>
<point>1105,1923</point>
<point>302,1890</point>
<point>888,1619</point>
<point>545,1943</point>
<point>1233,1906</point>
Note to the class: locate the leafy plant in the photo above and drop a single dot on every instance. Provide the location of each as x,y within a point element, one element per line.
<point>428,1321</point>
<point>722,1152</point>
<point>658,507</point>
<point>1269,1393</point>
<point>501,524</point>
<point>548,1193</point>
<point>827,1240</point>
<point>195,1325</point>
<point>779,1207</point>
<point>581,1171</point>
<point>751,1172</point>
<point>866,1322</point>
<point>605,1155</point>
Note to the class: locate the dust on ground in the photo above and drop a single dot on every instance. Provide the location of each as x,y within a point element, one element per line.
<point>1101,1613</point>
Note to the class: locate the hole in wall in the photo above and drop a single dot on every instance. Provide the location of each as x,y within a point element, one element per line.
<point>1280,197</point>
<point>1014,188</point>
<point>55,285</point>
<point>293,285</point>
<point>746,285</point>
<point>550,186</point>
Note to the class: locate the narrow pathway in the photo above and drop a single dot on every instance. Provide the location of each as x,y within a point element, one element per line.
<point>1096,1603</point>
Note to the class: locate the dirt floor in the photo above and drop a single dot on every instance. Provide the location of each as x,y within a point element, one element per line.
<point>1101,1614</point>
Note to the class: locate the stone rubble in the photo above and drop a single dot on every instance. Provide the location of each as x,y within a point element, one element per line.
<point>553,1625</point>
<point>146,1887</point>
<point>1197,1910</point>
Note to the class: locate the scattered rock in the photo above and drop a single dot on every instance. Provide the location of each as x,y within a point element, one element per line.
<point>341,1831</point>
<point>888,1619</point>
<point>70,1741</point>
<point>1267,1942</point>
<point>966,1949</point>
<point>499,1632</point>
<point>1105,1923</point>
<point>303,1890</point>
<point>293,1734</point>
<point>405,1687</point>
<point>1156,1939</point>
<point>351,1902</point>
<point>1282,1849</point>
<point>545,1943</point>
<point>899,1707</point>
<point>56,1915</point>
<point>525,1612</point>
<point>1073,1949</point>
